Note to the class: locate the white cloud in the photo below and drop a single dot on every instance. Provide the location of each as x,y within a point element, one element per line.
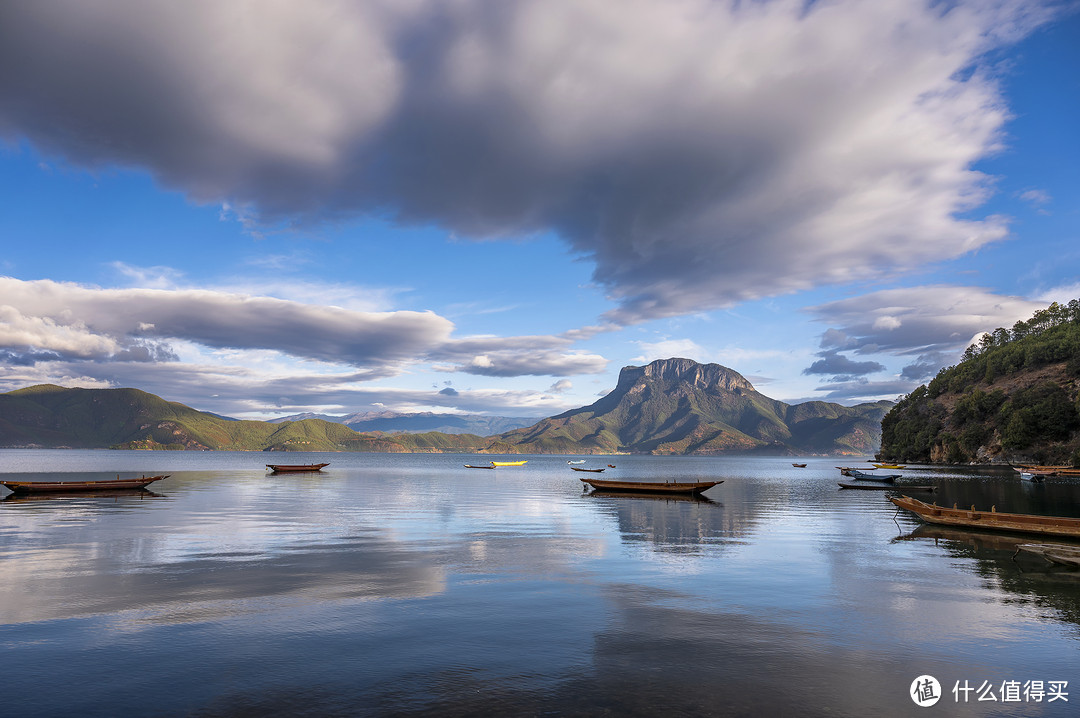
<point>668,348</point>
<point>887,323</point>
<point>90,322</point>
<point>700,153</point>
<point>915,320</point>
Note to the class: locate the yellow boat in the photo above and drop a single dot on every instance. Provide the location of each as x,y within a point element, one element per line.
<point>889,466</point>
<point>509,463</point>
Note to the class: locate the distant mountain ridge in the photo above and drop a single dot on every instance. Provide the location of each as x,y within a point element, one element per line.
<point>48,416</point>
<point>679,406</point>
<point>393,422</point>
<point>671,406</point>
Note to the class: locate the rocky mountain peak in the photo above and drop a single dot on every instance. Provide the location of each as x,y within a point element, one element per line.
<point>688,371</point>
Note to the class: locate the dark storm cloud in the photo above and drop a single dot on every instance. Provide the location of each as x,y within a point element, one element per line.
<point>699,153</point>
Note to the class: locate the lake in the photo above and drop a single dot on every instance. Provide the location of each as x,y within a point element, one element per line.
<point>408,585</point>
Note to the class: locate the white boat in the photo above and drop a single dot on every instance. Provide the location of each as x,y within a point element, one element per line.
<point>580,461</point>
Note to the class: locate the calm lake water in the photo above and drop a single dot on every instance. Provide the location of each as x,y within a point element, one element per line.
<point>407,584</point>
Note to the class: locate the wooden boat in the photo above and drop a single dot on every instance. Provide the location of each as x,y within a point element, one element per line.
<point>856,474</point>
<point>1031,476</point>
<point>846,470</point>
<point>652,487</point>
<point>1054,552</point>
<point>611,466</point>
<point>578,468</point>
<point>1049,470</point>
<point>990,520</point>
<point>36,487</point>
<point>888,466</point>
<point>471,466</point>
<point>799,466</point>
<point>653,496</point>
<point>295,468</point>
<point>886,487</point>
<point>509,463</point>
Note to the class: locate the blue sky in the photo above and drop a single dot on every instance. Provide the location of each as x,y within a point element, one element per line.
<point>259,209</point>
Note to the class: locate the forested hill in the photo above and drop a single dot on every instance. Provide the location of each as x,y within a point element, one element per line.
<point>1012,398</point>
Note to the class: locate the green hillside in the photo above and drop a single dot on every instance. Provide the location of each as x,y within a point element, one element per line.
<point>50,416</point>
<point>1012,398</point>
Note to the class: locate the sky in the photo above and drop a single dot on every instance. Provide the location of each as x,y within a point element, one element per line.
<point>260,208</point>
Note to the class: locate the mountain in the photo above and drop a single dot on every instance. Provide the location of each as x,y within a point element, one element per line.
<point>392,422</point>
<point>678,406</point>
<point>673,406</point>
<point>48,416</point>
<point>1013,398</point>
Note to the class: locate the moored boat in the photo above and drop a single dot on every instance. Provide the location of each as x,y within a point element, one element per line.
<point>883,486</point>
<point>509,463</point>
<point>652,487</point>
<point>35,487</point>
<point>481,466</point>
<point>888,466</point>
<point>1049,470</point>
<point>992,520</point>
<point>580,461</point>
<point>295,468</point>
<point>579,468</point>
<point>856,474</point>
<point>799,466</point>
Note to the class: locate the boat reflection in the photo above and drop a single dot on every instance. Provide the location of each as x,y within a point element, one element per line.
<point>690,498</point>
<point>1022,576</point>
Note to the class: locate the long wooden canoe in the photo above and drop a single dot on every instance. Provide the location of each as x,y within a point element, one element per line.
<point>38,487</point>
<point>856,474</point>
<point>886,487</point>
<point>481,466</point>
<point>595,471</point>
<point>510,463</point>
<point>653,487</point>
<point>991,520</point>
<point>1054,552</point>
<point>295,468</point>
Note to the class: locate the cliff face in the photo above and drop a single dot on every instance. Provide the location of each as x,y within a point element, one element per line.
<point>678,406</point>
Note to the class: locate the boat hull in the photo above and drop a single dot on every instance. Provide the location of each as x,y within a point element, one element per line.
<point>652,487</point>
<point>295,468</point>
<point>990,520</point>
<point>883,486</point>
<point>42,487</point>
<point>592,471</point>
<point>509,463</point>
<point>855,474</point>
